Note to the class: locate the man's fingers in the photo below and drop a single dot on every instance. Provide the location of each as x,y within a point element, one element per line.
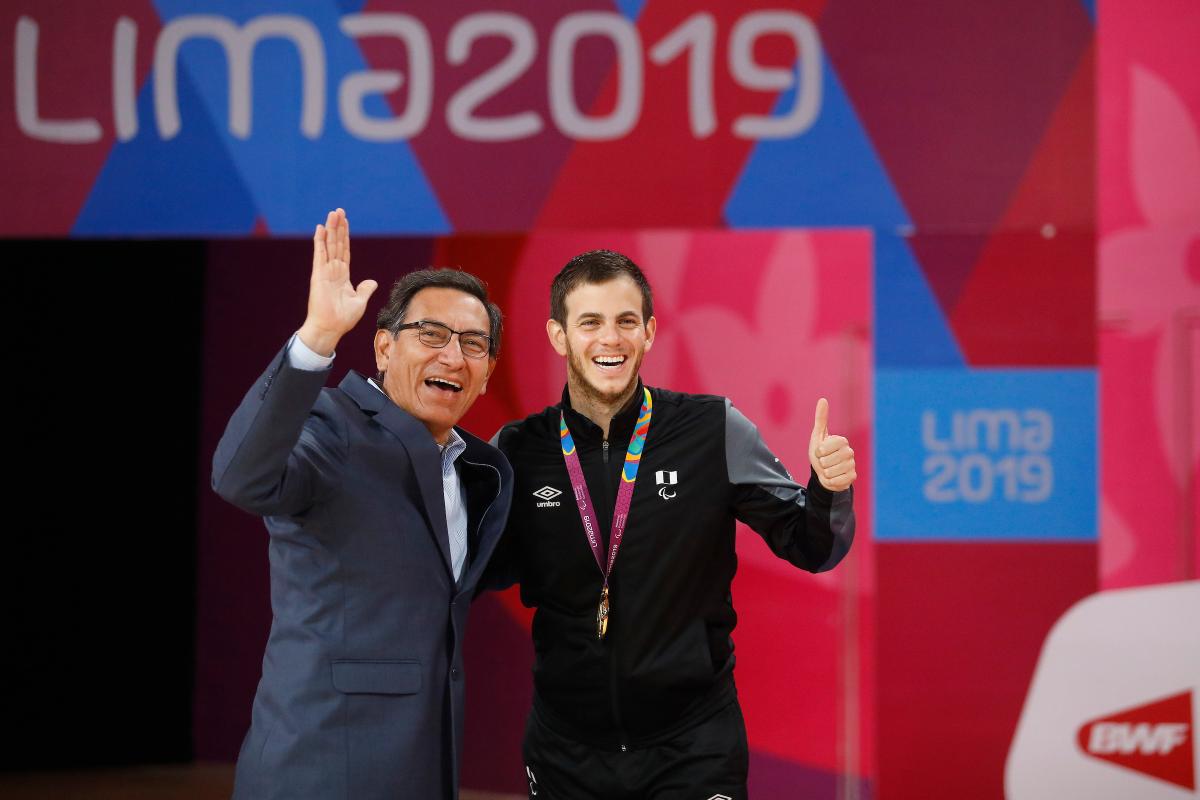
<point>834,464</point>
<point>339,235</point>
<point>331,237</point>
<point>821,419</point>
<point>840,468</point>
<point>331,223</point>
<point>366,289</point>
<point>839,484</point>
<point>837,462</point>
<point>831,444</point>
<point>330,226</point>
<point>345,238</point>
<point>320,254</point>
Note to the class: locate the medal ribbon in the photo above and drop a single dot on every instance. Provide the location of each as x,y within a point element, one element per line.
<point>583,498</point>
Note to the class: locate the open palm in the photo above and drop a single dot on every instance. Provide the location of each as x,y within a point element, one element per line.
<point>335,305</point>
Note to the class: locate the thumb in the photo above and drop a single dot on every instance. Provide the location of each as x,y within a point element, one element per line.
<point>366,289</point>
<point>820,421</point>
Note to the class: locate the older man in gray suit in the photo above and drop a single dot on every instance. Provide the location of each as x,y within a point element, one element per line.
<point>382,515</point>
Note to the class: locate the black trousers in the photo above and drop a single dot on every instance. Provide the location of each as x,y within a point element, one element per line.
<point>707,761</point>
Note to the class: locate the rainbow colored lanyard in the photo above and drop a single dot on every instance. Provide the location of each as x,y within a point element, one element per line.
<point>583,498</point>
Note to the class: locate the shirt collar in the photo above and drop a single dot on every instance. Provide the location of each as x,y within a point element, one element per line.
<point>453,448</point>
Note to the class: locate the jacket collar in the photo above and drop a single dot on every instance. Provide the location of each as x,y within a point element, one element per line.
<point>426,458</point>
<point>407,428</point>
<point>423,453</point>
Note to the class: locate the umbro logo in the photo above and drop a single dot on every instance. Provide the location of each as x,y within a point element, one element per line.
<point>547,494</point>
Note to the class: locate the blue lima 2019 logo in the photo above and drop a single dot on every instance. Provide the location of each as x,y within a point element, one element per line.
<point>973,455</point>
<point>968,454</point>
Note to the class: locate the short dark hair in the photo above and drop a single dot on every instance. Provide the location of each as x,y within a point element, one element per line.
<point>403,291</point>
<point>596,266</point>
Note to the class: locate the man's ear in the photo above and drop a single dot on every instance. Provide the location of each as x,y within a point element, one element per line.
<point>558,336</point>
<point>383,347</point>
<point>651,328</point>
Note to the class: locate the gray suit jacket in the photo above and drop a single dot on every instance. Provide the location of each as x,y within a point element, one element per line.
<point>361,693</point>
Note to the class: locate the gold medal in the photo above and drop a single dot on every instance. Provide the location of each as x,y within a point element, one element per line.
<point>602,614</point>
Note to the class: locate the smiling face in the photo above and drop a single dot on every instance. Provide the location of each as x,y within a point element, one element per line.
<point>435,385</point>
<point>603,340</point>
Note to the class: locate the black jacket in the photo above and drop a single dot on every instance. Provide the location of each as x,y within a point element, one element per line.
<point>667,659</point>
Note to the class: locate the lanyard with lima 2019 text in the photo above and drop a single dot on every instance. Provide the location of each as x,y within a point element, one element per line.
<point>583,498</point>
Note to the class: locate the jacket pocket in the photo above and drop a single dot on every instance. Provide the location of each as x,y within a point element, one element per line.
<point>358,676</point>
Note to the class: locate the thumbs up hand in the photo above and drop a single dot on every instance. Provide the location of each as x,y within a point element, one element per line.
<point>832,457</point>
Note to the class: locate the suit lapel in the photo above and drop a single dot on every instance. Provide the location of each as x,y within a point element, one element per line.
<point>423,454</point>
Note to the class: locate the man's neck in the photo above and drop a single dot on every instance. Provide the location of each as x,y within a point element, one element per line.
<point>597,409</point>
<point>440,435</point>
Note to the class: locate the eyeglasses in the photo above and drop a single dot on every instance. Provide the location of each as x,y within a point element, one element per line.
<point>434,334</point>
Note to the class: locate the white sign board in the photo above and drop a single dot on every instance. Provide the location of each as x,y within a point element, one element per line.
<point>1112,708</point>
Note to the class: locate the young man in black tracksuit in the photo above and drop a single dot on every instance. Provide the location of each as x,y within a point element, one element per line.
<point>633,680</point>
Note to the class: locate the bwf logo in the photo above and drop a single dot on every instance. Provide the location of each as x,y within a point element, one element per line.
<point>1154,739</point>
<point>666,478</point>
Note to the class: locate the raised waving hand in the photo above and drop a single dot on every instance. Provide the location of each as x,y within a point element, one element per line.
<point>335,305</point>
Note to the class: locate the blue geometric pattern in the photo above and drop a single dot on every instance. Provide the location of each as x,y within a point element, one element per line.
<point>910,329</point>
<point>146,189</point>
<point>829,176</point>
<point>290,179</point>
<point>631,8</point>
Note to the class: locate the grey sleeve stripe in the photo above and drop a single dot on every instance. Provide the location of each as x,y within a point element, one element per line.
<point>749,461</point>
